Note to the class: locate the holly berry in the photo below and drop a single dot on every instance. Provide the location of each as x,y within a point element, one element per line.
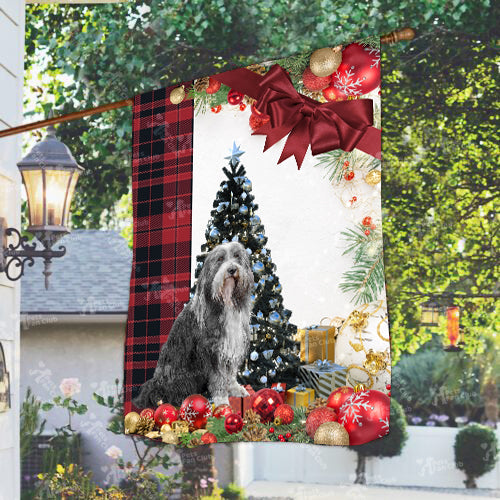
<point>280,437</point>
<point>346,163</point>
<point>243,106</point>
<point>388,387</point>
<point>389,393</point>
<point>367,232</point>
<point>288,435</point>
<point>216,109</point>
<point>271,430</point>
<point>349,176</point>
<point>213,86</point>
<point>354,198</point>
<point>367,221</point>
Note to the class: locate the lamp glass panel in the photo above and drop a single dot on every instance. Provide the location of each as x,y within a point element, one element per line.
<point>71,191</point>
<point>55,194</point>
<point>34,190</point>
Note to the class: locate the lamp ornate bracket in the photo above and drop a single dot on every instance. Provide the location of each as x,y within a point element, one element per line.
<point>15,257</point>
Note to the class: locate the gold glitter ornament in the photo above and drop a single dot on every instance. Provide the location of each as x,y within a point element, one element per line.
<point>165,428</point>
<point>373,177</point>
<point>153,435</point>
<point>180,427</point>
<point>358,320</point>
<point>199,432</point>
<point>375,362</point>
<point>131,420</point>
<point>170,437</point>
<point>332,434</point>
<point>325,61</point>
<point>177,95</point>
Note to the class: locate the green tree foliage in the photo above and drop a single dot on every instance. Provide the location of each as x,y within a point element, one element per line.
<point>440,184</point>
<point>476,452</point>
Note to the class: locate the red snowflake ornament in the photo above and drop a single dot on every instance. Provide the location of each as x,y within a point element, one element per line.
<point>195,410</point>
<point>365,416</point>
<point>359,72</point>
<point>165,414</point>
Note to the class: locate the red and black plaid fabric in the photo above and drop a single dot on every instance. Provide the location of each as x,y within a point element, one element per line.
<point>162,171</point>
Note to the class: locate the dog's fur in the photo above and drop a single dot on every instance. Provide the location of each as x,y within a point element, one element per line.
<point>209,340</point>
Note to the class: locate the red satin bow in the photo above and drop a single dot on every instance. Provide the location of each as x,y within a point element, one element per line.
<point>324,126</point>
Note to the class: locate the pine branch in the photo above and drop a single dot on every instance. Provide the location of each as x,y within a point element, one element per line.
<point>371,41</point>
<point>366,278</point>
<point>204,102</point>
<point>295,65</point>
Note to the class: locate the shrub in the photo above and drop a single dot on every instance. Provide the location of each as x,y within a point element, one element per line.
<point>476,452</point>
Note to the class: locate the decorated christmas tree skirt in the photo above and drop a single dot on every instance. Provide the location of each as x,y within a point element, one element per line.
<point>257,298</point>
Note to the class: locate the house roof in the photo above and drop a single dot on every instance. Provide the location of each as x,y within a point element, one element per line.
<point>92,278</point>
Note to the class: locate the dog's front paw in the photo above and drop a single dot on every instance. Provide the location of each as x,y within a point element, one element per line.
<point>221,401</point>
<point>238,391</point>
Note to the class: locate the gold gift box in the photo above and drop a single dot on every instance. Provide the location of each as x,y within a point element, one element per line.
<point>299,396</point>
<point>317,342</point>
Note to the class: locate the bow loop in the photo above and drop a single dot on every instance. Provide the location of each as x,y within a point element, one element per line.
<point>323,126</point>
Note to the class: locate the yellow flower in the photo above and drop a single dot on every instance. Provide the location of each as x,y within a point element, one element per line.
<point>70,468</point>
<point>40,476</point>
<point>60,469</point>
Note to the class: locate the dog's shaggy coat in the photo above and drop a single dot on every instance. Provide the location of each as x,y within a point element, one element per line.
<point>209,339</point>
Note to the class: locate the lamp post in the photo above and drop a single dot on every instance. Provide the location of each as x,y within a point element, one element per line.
<point>50,173</point>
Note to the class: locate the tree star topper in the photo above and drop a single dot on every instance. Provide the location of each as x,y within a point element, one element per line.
<point>234,154</point>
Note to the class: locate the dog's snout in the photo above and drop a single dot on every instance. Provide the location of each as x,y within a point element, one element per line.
<point>232,271</point>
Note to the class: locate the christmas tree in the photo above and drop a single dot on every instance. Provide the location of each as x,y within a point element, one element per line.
<point>273,354</point>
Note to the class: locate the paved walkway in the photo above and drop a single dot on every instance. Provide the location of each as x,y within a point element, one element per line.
<point>259,490</point>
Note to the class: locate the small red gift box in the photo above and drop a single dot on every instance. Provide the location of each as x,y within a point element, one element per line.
<point>241,405</point>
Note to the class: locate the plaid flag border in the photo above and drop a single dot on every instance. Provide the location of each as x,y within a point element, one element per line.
<point>162,172</point>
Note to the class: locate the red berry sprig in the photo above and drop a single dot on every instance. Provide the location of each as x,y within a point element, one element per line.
<point>349,176</point>
<point>216,109</point>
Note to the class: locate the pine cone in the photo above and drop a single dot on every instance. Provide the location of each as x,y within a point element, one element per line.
<point>257,68</point>
<point>255,433</point>
<point>318,402</point>
<point>251,417</point>
<point>144,425</point>
<point>195,442</point>
<point>201,84</point>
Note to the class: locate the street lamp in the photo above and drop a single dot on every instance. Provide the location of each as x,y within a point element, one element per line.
<point>429,313</point>
<point>50,174</point>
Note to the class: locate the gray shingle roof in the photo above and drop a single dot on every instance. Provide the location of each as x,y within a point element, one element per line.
<point>93,277</point>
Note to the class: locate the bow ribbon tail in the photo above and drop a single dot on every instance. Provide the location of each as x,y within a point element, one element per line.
<point>297,142</point>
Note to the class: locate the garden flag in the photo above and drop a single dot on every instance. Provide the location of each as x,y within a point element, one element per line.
<point>257,297</point>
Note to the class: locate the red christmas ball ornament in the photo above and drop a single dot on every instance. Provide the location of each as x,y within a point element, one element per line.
<point>317,417</point>
<point>365,416</point>
<point>367,221</point>
<point>349,176</point>
<point>257,121</point>
<point>233,423</point>
<point>195,410</point>
<point>359,72</point>
<point>213,86</point>
<point>208,438</point>
<point>332,93</point>
<point>338,397</point>
<point>285,413</point>
<point>264,403</point>
<point>222,411</point>
<point>216,109</point>
<point>234,97</point>
<point>165,414</point>
<point>313,82</point>
<point>148,413</point>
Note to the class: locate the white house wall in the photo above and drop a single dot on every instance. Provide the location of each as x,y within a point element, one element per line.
<point>11,88</point>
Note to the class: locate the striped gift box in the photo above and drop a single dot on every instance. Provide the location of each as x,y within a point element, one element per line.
<point>323,376</point>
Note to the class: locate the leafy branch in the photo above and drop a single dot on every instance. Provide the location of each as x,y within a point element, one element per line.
<point>366,278</point>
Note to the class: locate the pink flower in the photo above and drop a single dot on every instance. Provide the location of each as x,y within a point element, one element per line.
<point>70,386</point>
<point>203,483</point>
<point>114,452</point>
